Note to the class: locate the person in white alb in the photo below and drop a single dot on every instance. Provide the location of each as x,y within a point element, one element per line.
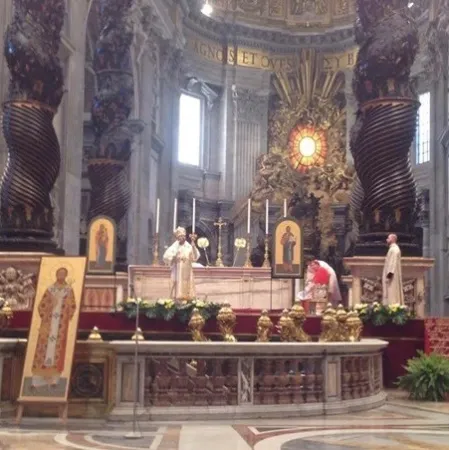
<point>392,291</point>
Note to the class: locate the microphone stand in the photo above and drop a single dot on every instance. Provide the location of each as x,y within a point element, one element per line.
<point>135,434</point>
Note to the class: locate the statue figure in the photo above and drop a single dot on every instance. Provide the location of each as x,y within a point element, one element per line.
<point>329,325</point>
<point>17,288</point>
<point>180,256</point>
<point>392,273</point>
<point>264,327</point>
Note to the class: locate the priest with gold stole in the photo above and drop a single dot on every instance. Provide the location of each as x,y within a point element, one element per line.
<point>180,257</point>
<point>392,274</point>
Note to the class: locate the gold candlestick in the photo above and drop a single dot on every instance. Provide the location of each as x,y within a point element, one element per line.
<point>248,252</point>
<point>156,250</point>
<point>266,261</point>
<point>220,224</point>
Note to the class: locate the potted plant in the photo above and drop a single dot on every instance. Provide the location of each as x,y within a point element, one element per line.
<point>427,377</point>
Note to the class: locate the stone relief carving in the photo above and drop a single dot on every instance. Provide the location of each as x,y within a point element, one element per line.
<point>17,288</point>
<point>250,106</point>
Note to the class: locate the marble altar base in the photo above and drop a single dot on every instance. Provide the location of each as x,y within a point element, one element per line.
<point>243,288</point>
<point>365,285</point>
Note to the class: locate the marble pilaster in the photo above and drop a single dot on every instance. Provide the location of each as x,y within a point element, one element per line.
<point>351,110</point>
<point>71,170</point>
<point>439,194</point>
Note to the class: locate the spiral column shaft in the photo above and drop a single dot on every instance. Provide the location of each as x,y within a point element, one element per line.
<point>385,126</point>
<point>31,50</point>
<point>108,162</point>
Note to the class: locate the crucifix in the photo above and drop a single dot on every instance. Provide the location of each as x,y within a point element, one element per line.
<point>220,224</point>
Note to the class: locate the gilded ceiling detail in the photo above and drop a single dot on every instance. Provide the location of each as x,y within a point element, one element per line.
<point>290,13</point>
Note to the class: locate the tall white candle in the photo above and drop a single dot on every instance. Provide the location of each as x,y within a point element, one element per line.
<point>158,206</point>
<point>267,204</point>
<point>193,215</point>
<point>285,207</point>
<point>175,214</point>
<point>249,216</point>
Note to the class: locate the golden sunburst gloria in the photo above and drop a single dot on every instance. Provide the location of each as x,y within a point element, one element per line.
<point>307,148</point>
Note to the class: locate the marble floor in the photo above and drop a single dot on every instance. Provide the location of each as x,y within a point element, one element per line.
<point>399,425</point>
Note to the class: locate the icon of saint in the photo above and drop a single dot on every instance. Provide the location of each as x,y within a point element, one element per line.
<point>101,240</point>
<point>56,309</point>
<point>288,242</point>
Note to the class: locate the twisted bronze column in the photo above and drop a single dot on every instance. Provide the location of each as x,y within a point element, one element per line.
<point>36,87</point>
<point>385,125</point>
<point>108,162</point>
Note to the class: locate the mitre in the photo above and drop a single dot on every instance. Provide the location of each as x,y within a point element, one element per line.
<point>180,232</point>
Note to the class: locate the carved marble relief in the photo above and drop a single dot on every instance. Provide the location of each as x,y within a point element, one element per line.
<point>17,288</point>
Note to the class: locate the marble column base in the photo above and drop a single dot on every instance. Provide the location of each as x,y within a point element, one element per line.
<point>365,285</point>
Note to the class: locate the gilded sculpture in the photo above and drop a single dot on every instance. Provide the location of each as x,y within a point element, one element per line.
<point>286,327</point>
<point>95,335</point>
<point>298,315</point>
<point>196,325</point>
<point>264,327</point>
<point>354,326</point>
<point>227,320</point>
<point>342,317</point>
<point>311,106</point>
<point>329,325</point>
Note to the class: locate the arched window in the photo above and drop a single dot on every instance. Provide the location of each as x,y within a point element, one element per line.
<point>422,139</point>
<point>190,129</point>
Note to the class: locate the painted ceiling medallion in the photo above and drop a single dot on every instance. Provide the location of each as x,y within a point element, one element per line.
<point>307,148</point>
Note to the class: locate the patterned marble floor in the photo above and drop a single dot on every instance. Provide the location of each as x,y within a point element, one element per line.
<point>399,425</point>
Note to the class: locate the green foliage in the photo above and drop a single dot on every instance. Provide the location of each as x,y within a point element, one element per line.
<point>379,314</point>
<point>427,377</point>
<point>167,309</point>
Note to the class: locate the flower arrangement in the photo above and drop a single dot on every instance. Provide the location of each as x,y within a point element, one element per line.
<point>379,314</point>
<point>167,309</point>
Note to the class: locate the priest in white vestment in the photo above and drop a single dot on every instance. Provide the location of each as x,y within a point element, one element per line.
<point>392,274</point>
<point>180,257</point>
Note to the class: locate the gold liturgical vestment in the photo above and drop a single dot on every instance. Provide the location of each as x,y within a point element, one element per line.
<point>392,288</point>
<point>180,258</point>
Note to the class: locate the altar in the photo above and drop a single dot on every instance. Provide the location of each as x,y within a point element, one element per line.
<point>241,287</point>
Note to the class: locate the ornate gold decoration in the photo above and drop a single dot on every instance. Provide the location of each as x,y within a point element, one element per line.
<point>196,325</point>
<point>6,313</point>
<point>310,106</point>
<point>220,224</point>
<point>287,14</point>
<point>329,325</point>
<point>264,327</point>
<point>227,320</point>
<point>138,335</point>
<point>17,288</point>
<point>95,335</point>
<point>354,327</point>
<point>342,317</point>
<point>298,315</point>
<point>286,327</point>
<point>307,148</point>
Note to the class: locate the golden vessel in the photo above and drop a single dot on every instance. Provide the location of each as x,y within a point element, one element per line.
<point>298,315</point>
<point>355,327</point>
<point>329,325</point>
<point>342,317</point>
<point>264,327</point>
<point>227,320</point>
<point>138,335</point>
<point>95,335</point>
<point>196,325</point>
<point>286,327</point>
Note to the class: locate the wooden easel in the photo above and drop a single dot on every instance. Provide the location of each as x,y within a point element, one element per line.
<point>63,410</point>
